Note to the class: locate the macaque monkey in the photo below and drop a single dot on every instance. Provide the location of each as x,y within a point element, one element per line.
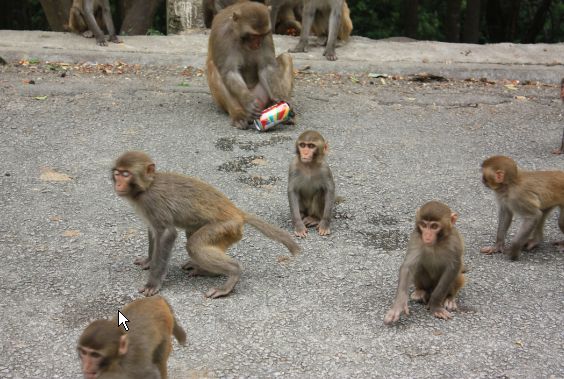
<point>243,73</point>
<point>311,189</point>
<point>433,264</point>
<point>212,223</point>
<point>561,150</point>
<point>330,10</point>
<point>529,194</point>
<point>90,17</point>
<point>106,350</point>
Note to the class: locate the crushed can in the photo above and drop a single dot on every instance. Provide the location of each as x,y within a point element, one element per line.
<point>272,116</point>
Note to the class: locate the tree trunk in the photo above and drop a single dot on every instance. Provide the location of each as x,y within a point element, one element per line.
<point>513,13</point>
<point>410,18</point>
<point>452,25</point>
<point>57,13</point>
<point>471,32</point>
<point>137,16</point>
<point>538,22</point>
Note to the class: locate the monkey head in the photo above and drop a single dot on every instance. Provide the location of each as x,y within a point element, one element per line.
<point>100,345</point>
<point>251,21</point>
<point>434,222</point>
<point>498,172</point>
<point>133,173</point>
<point>311,147</point>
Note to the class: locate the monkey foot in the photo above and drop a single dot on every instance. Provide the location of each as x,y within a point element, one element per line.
<point>420,296</point>
<point>300,233</point>
<point>214,293</point>
<point>450,304</point>
<point>88,34</point>
<point>330,56</point>
<point>489,250</point>
<point>144,263</point>
<point>442,314</point>
<point>323,231</point>
<point>310,221</point>
<point>149,290</point>
<point>531,244</point>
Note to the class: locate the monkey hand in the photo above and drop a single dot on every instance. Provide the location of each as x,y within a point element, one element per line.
<point>301,47</point>
<point>101,41</point>
<point>115,39</point>
<point>144,263</point>
<point>441,313</point>
<point>254,109</point>
<point>330,54</point>
<point>395,312</point>
<point>498,248</point>
<point>150,289</point>
<point>300,231</point>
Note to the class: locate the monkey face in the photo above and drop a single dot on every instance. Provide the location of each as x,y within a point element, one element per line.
<point>122,181</point>
<point>92,361</point>
<point>307,151</point>
<point>430,231</point>
<point>253,41</point>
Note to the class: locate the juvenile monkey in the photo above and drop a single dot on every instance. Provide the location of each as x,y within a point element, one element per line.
<point>311,189</point>
<point>433,263</point>
<point>243,73</point>
<point>212,223</point>
<point>89,17</point>
<point>529,194</point>
<point>107,351</point>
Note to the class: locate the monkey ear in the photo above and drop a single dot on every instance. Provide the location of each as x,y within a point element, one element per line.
<point>499,175</point>
<point>123,345</point>
<point>326,148</point>
<point>151,169</point>
<point>453,218</point>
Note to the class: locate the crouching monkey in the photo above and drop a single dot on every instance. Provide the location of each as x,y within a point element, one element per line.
<point>243,73</point>
<point>212,223</point>
<point>433,263</point>
<point>311,189</point>
<point>107,351</point>
<point>529,194</point>
<point>90,17</point>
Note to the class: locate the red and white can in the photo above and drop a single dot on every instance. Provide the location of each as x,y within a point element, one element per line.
<point>272,116</point>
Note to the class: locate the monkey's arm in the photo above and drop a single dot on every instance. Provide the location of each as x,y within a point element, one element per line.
<point>145,263</point>
<point>505,217</point>
<point>405,278</point>
<point>530,221</point>
<point>441,291</point>
<point>92,24</point>
<point>329,202</point>
<point>163,241</point>
<point>299,227</point>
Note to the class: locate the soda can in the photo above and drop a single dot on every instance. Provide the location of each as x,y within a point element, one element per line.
<point>272,116</point>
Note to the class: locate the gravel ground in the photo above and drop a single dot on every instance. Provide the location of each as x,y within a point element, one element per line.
<point>68,242</point>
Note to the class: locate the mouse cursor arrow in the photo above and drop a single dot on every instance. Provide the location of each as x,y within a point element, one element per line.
<point>122,320</point>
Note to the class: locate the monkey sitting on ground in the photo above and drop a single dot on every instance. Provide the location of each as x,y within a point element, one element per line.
<point>212,222</point>
<point>243,73</point>
<point>107,351</point>
<point>433,263</point>
<point>311,189</point>
<point>530,194</point>
<point>89,17</point>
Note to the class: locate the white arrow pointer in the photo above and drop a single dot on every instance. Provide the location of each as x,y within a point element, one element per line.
<point>122,320</point>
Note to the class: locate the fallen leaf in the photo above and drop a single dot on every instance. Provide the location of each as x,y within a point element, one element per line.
<point>259,161</point>
<point>55,218</point>
<point>511,87</point>
<point>282,258</point>
<point>71,233</point>
<point>40,97</point>
<point>520,97</point>
<point>49,175</point>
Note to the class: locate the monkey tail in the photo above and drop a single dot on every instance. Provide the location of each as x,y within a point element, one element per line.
<point>273,232</point>
<point>178,333</point>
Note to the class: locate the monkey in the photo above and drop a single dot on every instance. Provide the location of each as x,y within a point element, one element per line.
<point>529,194</point>
<point>212,223</point>
<point>107,351</point>
<point>561,150</point>
<point>433,263</point>
<point>89,16</point>
<point>311,189</point>
<point>211,7</point>
<point>331,11</point>
<point>243,73</point>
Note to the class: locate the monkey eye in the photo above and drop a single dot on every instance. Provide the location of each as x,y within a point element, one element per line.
<point>434,226</point>
<point>308,145</point>
<point>123,173</point>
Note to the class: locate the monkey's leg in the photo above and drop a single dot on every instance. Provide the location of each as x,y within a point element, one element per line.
<point>92,24</point>
<point>450,301</point>
<point>527,227</point>
<point>163,242</point>
<point>537,235</point>
<point>284,76</point>
<point>422,283</point>
<point>207,248</point>
<point>76,22</point>
<point>308,16</point>
<point>107,17</point>
<point>334,26</point>
<point>225,99</point>
<point>560,244</point>
<point>160,356</point>
<point>145,263</point>
<point>310,221</point>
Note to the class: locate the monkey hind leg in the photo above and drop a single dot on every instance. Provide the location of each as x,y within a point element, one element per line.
<point>194,270</point>
<point>420,295</point>
<point>160,356</point>
<point>450,301</point>
<point>207,248</point>
<point>76,21</point>
<point>224,98</point>
<point>284,77</point>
